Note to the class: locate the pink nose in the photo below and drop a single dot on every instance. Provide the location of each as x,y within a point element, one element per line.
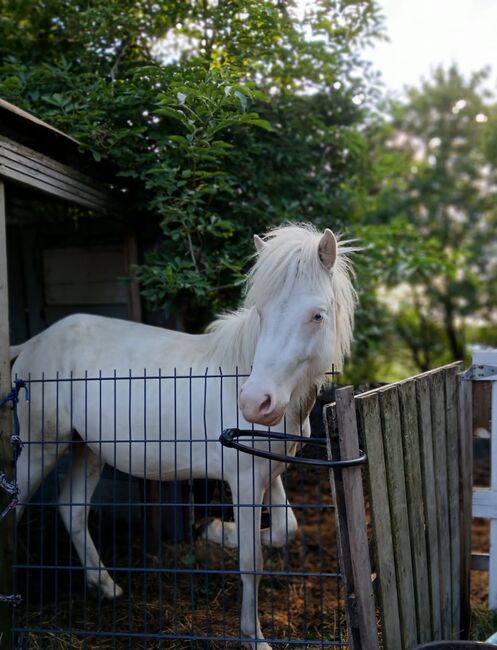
<point>259,407</point>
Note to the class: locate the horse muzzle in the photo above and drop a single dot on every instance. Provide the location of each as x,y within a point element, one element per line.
<point>261,407</point>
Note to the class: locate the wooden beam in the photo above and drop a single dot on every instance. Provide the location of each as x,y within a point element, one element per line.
<point>428,469</point>
<point>28,167</point>
<point>134,298</point>
<point>356,519</point>
<point>386,573</point>
<point>6,526</point>
<point>417,524</point>
<point>465,406</point>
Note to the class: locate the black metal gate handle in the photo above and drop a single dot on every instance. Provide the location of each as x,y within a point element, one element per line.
<point>229,438</point>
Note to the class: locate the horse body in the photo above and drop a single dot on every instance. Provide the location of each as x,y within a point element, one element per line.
<point>159,399</point>
<point>134,369</point>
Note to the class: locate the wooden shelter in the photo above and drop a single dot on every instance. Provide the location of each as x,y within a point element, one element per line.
<point>73,260</point>
<point>69,242</point>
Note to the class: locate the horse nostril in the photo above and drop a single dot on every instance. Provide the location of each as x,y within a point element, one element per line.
<point>266,405</point>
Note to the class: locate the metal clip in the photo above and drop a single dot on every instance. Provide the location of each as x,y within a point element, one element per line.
<point>478,371</point>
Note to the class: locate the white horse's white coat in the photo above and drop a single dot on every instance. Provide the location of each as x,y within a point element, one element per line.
<point>295,323</point>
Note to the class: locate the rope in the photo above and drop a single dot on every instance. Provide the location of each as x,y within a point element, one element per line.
<point>13,397</point>
<point>11,486</point>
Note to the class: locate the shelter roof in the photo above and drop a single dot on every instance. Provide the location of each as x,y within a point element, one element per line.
<point>28,130</point>
<point>36,155</point>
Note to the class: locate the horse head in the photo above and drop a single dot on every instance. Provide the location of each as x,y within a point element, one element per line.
<point>300,287</point>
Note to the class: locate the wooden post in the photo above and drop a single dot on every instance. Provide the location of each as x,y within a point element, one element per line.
<point>134,299</point>
<point>466,494</point>
<point>453,478</point>
<point>6,526</point>
<point>417,524</point>
<point>150,490</point>
<point>363,614</point>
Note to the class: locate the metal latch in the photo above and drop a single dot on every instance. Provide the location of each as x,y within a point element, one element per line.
<point>480,371</point>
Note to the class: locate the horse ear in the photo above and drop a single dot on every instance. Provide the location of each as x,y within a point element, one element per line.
<point>327,249</point>
<point>259,243</point>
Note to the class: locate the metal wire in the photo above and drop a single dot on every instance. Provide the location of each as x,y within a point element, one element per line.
<point>180,589</point>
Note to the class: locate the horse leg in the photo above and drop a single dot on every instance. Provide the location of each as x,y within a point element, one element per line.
<point>34,464</point>
<point>74,508</point>
<point>283,522</point>
<point>248,521</point>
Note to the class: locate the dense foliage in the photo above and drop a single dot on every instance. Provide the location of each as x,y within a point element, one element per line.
<point>223,118</point>
<point>216,120</point>
<point>435,193</point>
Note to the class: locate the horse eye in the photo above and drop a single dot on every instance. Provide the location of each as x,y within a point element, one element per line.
<point>317,318</point>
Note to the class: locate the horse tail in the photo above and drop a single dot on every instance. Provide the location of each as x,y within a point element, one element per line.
<point>15,351</point>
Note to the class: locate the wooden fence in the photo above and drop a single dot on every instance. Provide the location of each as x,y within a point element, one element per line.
<point>417,435</point>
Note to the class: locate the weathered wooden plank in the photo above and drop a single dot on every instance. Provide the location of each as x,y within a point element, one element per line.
<point>438,420</point>
<point>420,376</point>
<point>370,424</point>
<point>6,530</point>
<point>89,263</point>
<point>23,165</point>
<point>26,159</point>
<point>97,293</point>
<point>12,108</point>
<point>11,167</point>
<point>452,433</point>
<point>91,275</point>
<point>392,441</point>
<point>356,518</point>
<point>415,498</point>
<point>423,399</point>
<point>41,185</point>
<point>466,493</point>
<point>343,533</point>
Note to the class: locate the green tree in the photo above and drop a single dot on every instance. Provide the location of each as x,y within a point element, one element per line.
<point>435,182</point>
<point>220,119</point>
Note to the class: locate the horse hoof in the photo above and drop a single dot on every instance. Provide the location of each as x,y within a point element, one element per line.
<point>221,533</point>
<point>106,592</point>
<point>115,592</point>
<point>256,645</point>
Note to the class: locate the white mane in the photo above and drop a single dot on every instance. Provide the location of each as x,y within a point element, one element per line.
<point>290,252</point>
<point>233,338</point>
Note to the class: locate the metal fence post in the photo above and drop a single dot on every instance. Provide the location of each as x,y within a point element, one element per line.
<point>485,500</point>
<point>6,529</point>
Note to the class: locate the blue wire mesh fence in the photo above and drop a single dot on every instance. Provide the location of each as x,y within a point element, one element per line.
<point>180,589</point>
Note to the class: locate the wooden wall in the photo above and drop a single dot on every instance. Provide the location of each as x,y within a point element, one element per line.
<point>61,264</point>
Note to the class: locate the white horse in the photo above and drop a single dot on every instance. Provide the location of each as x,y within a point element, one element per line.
<point>295,323</point>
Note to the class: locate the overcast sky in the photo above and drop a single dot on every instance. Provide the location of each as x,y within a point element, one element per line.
<point>424,33</point>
